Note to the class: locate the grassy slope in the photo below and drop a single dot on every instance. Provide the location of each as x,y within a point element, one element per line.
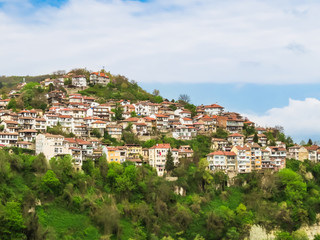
<point>63,224</point>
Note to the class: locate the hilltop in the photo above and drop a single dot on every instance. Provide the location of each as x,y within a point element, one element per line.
<point>91,155</point>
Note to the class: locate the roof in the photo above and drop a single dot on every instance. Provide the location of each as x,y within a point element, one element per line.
<point>161,145</point>
<point>102,122</point>
<point>53,136</point>
<point>29,130</point>
<point>221,153</point>
<point>101,74</point>
<point>236,135</point>
<point>312,148</point>
<point>213,106</point>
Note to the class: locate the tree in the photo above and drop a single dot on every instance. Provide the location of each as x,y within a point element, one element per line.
<point>169,162</point>
<point>133,114</point>
<point>11,221</point>
<point>184,98</point>
<point>40,163</point>
<point>50,183</point>
<point>51,87</point>
<point>12,104</point>
<point>302,143</point>
<point>255,138</point>
<point>309,142</point>
<point>95,132</point>
<point>118,110</point>
<point>156,92</point>
<point>67,81</point>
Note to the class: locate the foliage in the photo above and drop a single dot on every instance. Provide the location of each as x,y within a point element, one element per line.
<point>96,133</point>
<point>169,162</point>
<point>121,88</point>
<point>57,130</point>
<point>122,201</point>
<point>220,133</point>
<point>118,110</point>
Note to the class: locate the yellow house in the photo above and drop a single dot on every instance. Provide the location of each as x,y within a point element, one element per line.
<point>134,151</point>
<point>115,154</point>
<point>256,156</point>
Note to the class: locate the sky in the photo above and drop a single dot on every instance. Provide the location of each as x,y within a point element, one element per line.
<point>257,57</point>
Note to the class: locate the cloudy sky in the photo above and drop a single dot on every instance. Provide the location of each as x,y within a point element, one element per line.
<point>257,57</point>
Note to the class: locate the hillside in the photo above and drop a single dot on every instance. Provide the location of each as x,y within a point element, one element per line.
<point>112,201</point>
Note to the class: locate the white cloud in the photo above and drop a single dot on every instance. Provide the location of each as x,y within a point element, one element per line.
<point>165,41</point>
<point>300,119</point>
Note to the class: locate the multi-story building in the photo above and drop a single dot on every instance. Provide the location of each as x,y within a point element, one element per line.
<point>99,78</point>
<point>79,81</point>
<point>8,138</point>
<point>158,157</point>
<point>277,156</point>
<point>243,158</point>
<point>236,139</point>
<point>222,161</point>
<point>51,145</point>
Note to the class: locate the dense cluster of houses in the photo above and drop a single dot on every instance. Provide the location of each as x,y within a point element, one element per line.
<point>84,115</point>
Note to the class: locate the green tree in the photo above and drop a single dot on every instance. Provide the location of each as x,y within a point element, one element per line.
<point>118,110</point>
<point>169,162</point>
<point>11,221</point>
<point>40,163</point>
<point>50,183</point>
<point>255,138</point>
<point>133,114</point>
<point>95,132</point>
<point>12,104</point>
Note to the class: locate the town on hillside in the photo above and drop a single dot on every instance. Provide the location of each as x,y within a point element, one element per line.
<point>87,127</point>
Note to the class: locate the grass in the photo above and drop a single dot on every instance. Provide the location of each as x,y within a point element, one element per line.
<point>63,224</point>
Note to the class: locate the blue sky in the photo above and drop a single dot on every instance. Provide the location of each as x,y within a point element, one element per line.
<point>257,57</point>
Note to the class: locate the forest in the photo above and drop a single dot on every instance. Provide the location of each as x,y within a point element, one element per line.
<point>49,200</point>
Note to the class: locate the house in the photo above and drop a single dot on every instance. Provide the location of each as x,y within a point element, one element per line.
<point>223,161</point>
<point>185,151</point>
<point>236,139</point>
<point>243,158</point>
<point>22,144</point>
<point>312,153</point>
<point>277,156</point>
<point>28,135</point>
<point>8,138</point>
<point>184,133</point>
<point>99,78</point>
<point>40,124</point>
<point>79,81</point>
<point>4,103</point>
<point>234,125</point>
<point>115,154</point>
<point>80,150</point>
<point>27,122</point>
<point>218,144</point>
<point>10,126</point>
<point>51,145</point>
<point>298,153</point>
<point>213,109</point>
<point>134,151</point>
<point>114,131</point>
<point>158,157</point>
<point>256,156</point>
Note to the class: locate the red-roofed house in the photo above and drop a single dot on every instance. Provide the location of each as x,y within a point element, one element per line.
<point>220,160</point>
<point>236,139</point>
<point>99,78</point>
<point>213,109</point>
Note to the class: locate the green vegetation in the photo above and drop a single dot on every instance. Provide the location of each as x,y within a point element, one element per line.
<point>113,201</point>
<point>121,88</point>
